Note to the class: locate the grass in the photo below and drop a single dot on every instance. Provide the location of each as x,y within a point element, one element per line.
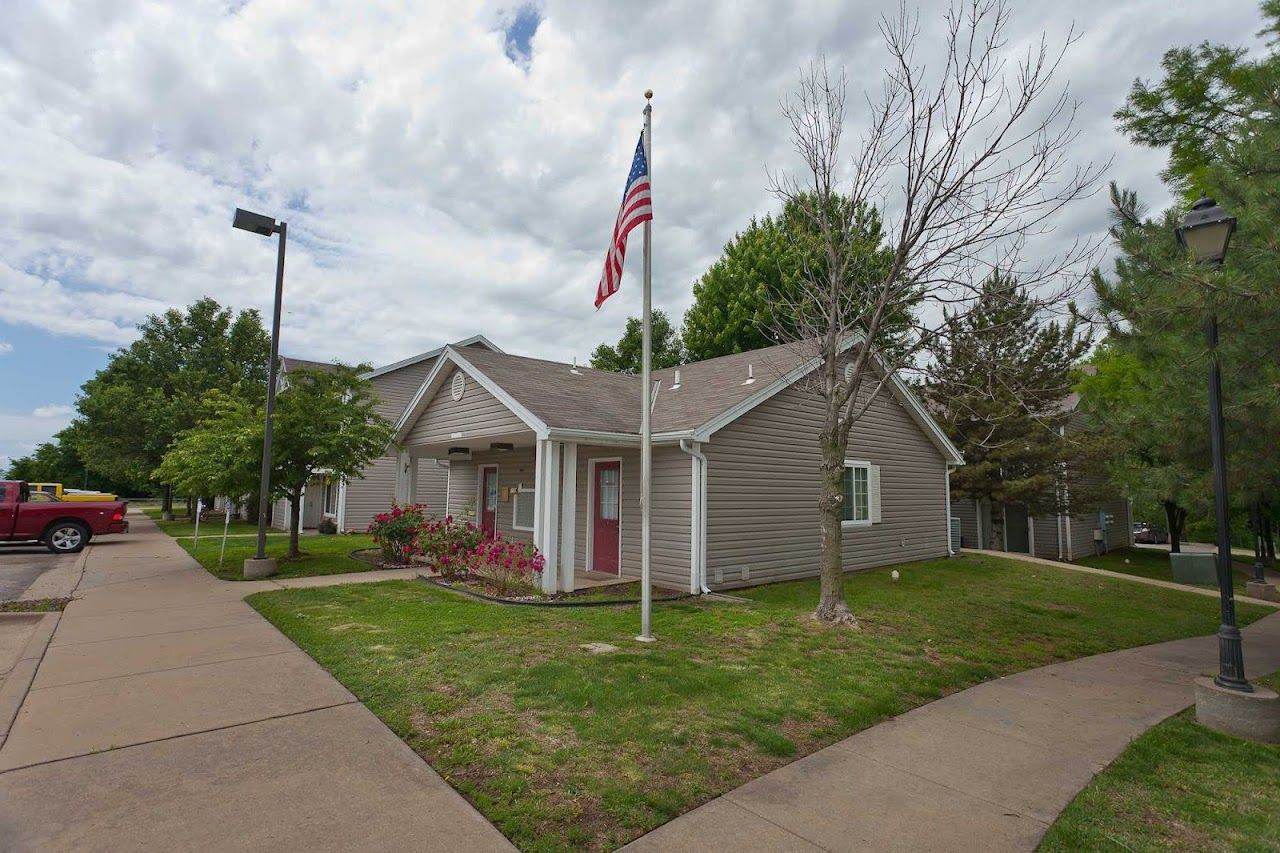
<point>34,605</point>
<point>1180,786</point>
<point>321,555</point>
<point>1148,563</point>
<point>563,749</point>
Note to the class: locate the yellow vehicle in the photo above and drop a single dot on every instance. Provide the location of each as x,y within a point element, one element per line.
<point>62,494</point>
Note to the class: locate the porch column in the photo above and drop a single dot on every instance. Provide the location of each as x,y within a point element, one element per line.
<point>402,477</point>
<point>412,493</point>
<point>546,505</point>
<point>568,514</point>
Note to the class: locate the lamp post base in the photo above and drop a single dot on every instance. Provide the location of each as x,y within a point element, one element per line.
<point>255,568</point>
<point>1254,716</point>
<point>1262,589</point>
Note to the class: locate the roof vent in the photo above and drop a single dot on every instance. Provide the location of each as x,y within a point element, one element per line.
<point>574,369</point>
<point>751,375</point>
<point>675,386</point>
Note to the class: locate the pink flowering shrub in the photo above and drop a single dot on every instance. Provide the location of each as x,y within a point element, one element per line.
<point>449,545</point>
<point>508,568</point>
<point>396,532</point>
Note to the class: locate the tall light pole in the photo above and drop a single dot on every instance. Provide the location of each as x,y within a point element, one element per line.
<point>259,565</point>
<point>1206,232</point>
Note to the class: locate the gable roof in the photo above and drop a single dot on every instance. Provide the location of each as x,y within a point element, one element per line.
<point>475,341</point>
<point>553,396</point>
<point>287,364</point>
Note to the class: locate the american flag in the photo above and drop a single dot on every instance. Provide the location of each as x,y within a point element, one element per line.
<point>637,207</point>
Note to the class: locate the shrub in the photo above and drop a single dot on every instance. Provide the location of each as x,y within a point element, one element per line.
<point>448,543</point>
<point>508,568</point>
<point>327,527</point>
<point>396,532</point>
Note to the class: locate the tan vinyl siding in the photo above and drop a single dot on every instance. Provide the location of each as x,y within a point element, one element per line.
<point>477,414</point>
<point>515,467</point>
<point>463,491</point>
<point>1044,537</point>
<point>670,521</point>
<point>966,510</point>
<point>763,492</point>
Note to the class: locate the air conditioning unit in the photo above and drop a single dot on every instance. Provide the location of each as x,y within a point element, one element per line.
<point>1099,535</point>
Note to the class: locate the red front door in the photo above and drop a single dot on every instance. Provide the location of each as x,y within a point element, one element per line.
<point>606,509</point>
<point>489,501</point>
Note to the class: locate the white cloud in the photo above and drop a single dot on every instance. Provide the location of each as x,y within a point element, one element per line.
<point>53,410</point>
<point>5,347</point>
<point>433,187</point>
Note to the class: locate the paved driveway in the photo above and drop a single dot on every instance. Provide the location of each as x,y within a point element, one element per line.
<point>21,565</point>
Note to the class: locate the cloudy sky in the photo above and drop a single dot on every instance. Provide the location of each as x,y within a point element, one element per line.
<point>445,168</point>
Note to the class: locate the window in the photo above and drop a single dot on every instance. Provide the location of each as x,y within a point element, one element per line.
<point>331,497</point>
<point>859,499</point>
<point>522,513</point>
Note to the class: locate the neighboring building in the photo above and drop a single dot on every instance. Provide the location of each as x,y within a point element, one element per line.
<point>352,504</point>
<point>1069,536</point>
<point>549,453</point>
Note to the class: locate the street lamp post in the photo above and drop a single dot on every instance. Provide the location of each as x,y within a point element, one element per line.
<point>259,565</point>
<point>1206,232</point>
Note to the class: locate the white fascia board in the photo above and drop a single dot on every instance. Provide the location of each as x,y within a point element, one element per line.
<point>435,378</point>
<point>414,359</point>
<point>588,436</point>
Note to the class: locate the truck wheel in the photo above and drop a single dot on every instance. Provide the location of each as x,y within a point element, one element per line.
<point>67,537</point>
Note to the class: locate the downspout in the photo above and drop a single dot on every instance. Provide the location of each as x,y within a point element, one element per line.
<point>951,551</point>
<point>698,533</point>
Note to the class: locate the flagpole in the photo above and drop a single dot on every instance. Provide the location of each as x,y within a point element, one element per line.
<point>646,393</point>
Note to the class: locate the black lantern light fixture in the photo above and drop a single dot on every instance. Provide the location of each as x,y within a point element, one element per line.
<point>1206,232</point>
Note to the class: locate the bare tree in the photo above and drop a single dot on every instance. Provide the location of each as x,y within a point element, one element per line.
<point>963,165</point>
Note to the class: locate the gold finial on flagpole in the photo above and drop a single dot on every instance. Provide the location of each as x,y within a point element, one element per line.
<point>648,94</point>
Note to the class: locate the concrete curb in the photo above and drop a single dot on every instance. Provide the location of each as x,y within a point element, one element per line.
<point>18,682</point>
<point>59,583</point>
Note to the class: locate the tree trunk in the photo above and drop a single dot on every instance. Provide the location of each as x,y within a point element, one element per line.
<point>1176,518</point>
<point>1269,541</point>
<point>831,603</point>
<point>295,519</point>
<point>166,504</point>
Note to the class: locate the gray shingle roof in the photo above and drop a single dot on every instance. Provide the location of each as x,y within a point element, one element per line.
<point>610,402</point>
<point>303,364</point>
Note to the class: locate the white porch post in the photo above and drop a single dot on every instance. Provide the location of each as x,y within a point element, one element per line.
<point>402,477</point>
<point>546,521</point>
<point>342,506</point>
<point>412,493</point>
<point>568,515</point>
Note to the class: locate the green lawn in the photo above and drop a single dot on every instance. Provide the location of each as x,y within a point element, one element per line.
<point>563,749</point>
<point>1178,787</point>
<point>1148,563</point>
<point>182,525</point>
<point>321,555</point>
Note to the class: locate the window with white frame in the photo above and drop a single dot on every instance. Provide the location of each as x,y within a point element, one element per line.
<point>522,512</point>
<point>330,497</point>
<point>857,492</point>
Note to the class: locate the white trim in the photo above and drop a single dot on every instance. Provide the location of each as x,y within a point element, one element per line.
<point>546,537</point>
<point>614,439</point>
<point>413,412</point>
<point>1031,534</point>
<point>480,469</point>
<point>342,505</point>
<point>414,359</point>
<point>515,508</point>
<point>871,512</point>
<point>568,515</point>
<point>591,510</point>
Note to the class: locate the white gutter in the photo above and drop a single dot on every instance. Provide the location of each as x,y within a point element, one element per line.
<point>951,552</point>
<point>698,520</point>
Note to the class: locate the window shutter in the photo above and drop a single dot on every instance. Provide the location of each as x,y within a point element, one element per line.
<point>874,487</point>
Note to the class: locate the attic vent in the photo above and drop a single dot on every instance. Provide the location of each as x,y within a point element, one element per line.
<point>751,374</point>
<point>675,386</point>
<point>848,372</point>
<point>458,386</point>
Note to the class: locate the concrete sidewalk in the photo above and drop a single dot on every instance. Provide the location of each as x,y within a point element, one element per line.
<point>167,714</point>
<point>988,768</point>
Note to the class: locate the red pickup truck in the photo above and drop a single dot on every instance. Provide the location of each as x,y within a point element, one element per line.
<point>65,527</point>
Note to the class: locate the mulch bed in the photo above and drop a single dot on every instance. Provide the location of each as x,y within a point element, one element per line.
<point>373,556</point>
<point>475,587</point>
